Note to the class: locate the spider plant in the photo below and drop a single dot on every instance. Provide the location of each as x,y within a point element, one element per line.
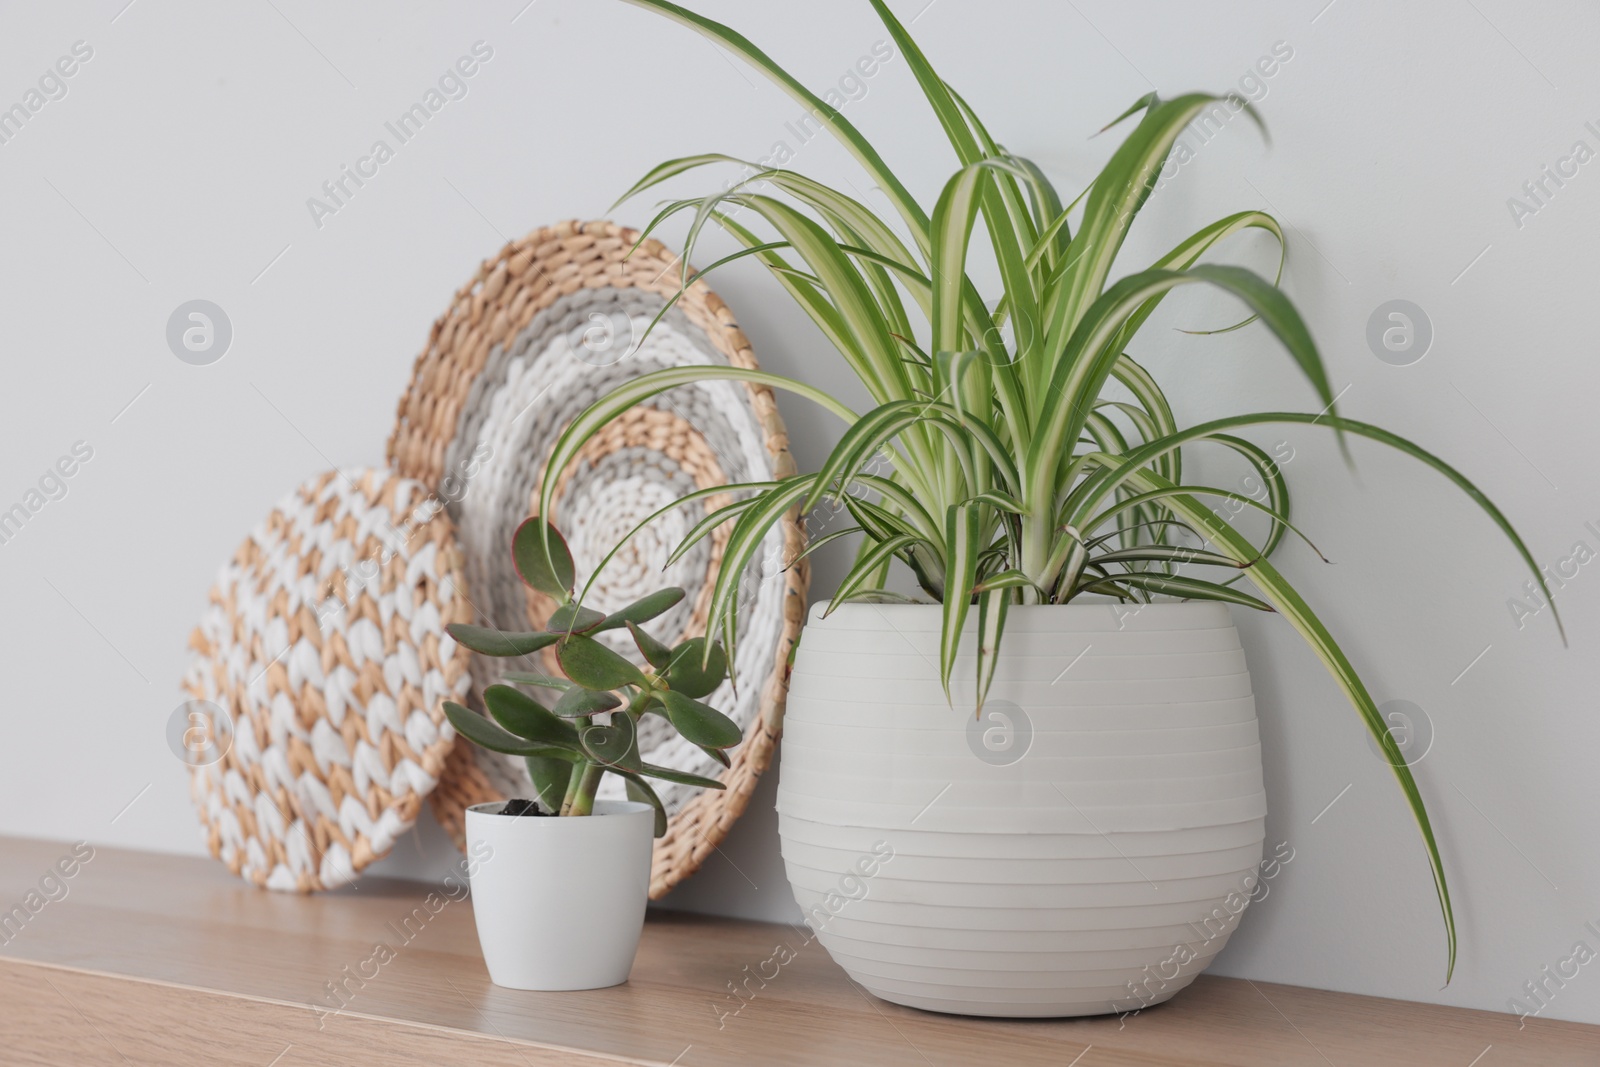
<point>1033,459</point>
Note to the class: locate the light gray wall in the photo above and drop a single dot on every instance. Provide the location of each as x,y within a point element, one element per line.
<point>179,163</point>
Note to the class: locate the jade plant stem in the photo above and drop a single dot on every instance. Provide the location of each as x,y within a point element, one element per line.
<point>581,791</point>
<point>583,784</point>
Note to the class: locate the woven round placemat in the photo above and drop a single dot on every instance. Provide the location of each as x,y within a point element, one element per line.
<point>324,644</point>
<point>544,329</point>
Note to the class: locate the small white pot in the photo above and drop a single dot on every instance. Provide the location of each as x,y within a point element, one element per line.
<point>1086,847</point>
<point>560,902</point>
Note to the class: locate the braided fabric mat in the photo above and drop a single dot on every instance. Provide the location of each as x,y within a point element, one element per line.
<point>543,330</point>
<point>324,644</point>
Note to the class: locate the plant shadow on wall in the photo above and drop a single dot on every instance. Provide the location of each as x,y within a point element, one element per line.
<point>1034,460</point>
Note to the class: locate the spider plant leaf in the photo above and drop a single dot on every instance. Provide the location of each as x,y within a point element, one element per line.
<point>1115,198</point>
<point>826,114</point>
<point>918,356</point>
<point>825,539</point>
<point>1006,579</point>
<point>688,498</point>
<point>962,532</point>
<point>1176,586</point>
<point>1090,525</point>
<point>993,603</point>
<point>859,232</point>
<point>485,734</point>
<point>953,217</point>
<point>874,356</point>
<point>869,230</point>
<point>805,289</point>
<point>594,666</point>
<point>700,723</point>
<point>926,565</point>
<point>492,642</point>
<point>744,542</point>
<point>861,442</point>
<point>577,703</point>
<point>687,282</point>
<point>997,500</point>
<point>1142,385</point>
<point>1276,589</point>
<point>1055,240</point>
<point>1190,249</point>
<point>961,380</point>
<point>1007,222</point>
<point>670,169</point>
<point>1272,479</point>
<point>1049,217</point>
<point>1179,554</point>
<point>868,565</point>
<point>957,427</point>
<point>526,717</point>
<point>1148,100</point>
<point>880,596</point>
<point>1169,523</point>
<point>1128,469</point>
<point>1088,361</point>
<point>895,495</point>
<point>878,521</point>
<point>631,392</point>
<point>982,332</point>
<point>667,210</point>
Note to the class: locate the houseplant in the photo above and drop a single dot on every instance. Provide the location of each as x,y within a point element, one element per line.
<point>1037,489</point>
<point>582,849</point>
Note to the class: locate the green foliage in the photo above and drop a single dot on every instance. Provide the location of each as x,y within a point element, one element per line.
<point>700,723</point>
<point>567,748</point>
<point>1032,459</point>
<point>526,717</point>
<point>500,642</point>
<point>550,778</point>
<point>540,555</point>
<point>594,666</point>
<point>697,667</point>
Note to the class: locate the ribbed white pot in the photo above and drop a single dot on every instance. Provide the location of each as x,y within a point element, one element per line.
<point>1086,847</point>
<point>532,872</point>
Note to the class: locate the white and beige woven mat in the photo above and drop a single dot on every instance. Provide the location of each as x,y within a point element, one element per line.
<point>324,644</point>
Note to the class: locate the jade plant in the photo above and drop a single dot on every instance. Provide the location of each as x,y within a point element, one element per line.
<point>568,750</point>
<point>1032,458</point>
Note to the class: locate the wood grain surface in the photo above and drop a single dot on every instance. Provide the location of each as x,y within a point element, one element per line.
<point>150,959</point>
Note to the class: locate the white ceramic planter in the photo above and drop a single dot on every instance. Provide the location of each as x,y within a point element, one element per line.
<point>532,875</point>
<point>1085,848</point>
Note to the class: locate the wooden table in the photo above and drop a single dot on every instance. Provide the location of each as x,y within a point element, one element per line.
<point>151,959</point>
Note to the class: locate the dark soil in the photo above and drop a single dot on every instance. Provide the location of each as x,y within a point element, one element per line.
<point>520,806</point>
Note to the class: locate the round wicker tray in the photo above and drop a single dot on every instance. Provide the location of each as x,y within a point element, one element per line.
<point>542,330</point>
<point>324,646</point>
